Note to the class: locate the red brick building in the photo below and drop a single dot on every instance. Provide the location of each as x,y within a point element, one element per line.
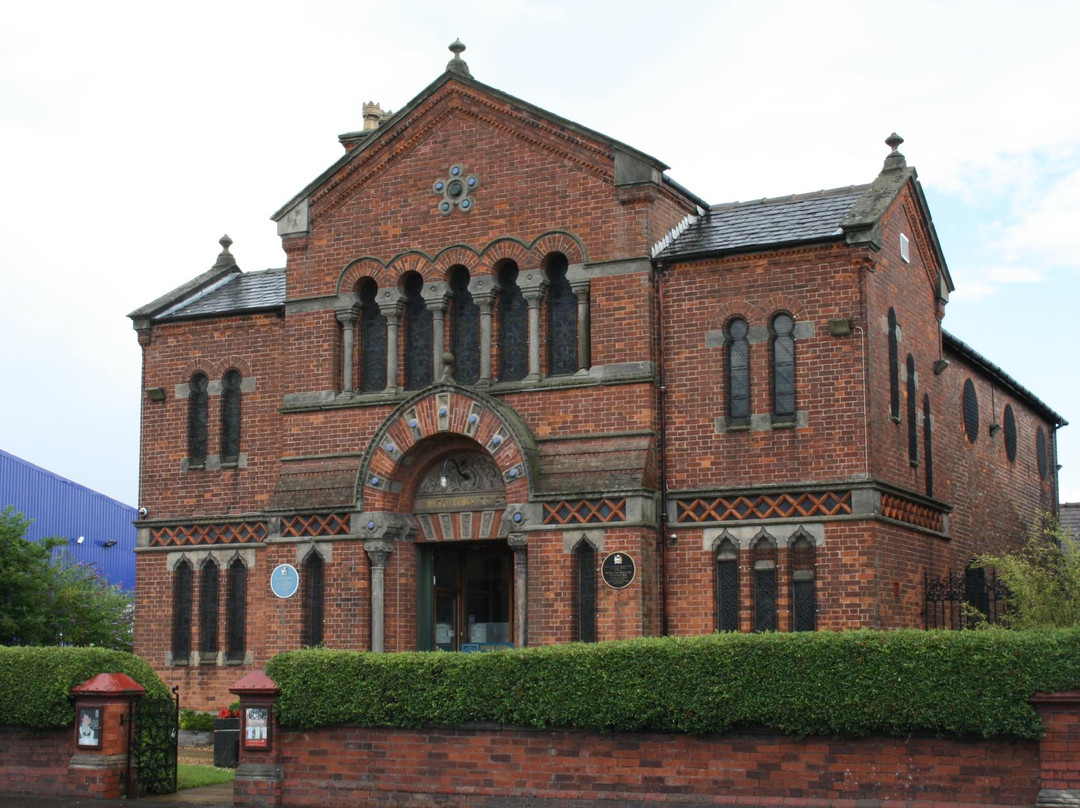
<point>515,386</point>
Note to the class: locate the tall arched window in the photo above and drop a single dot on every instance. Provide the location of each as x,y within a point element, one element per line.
<point>197,412</point>
<point>312,597</point>
<point>912,413</point>
<point>465,342</point>
<point>584,606</point>
<point>236,608</point>
<point>181,617</point>
<point>562,319</point>
<point>230,417</point>
<point>764,556</point>
<point>513,325</point>
<point>928,445</point>
<point>783,366</point>
<point>727,586</point>
<point>372,339</point>
<point>418,336</point>
<point>894,366</point>
<point>208,608</point>
<point>803,600</point>
<point>738,371</point>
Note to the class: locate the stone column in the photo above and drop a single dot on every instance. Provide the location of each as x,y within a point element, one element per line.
<point>347,318</point>
<point>532,283</point>
<point>435,298</point>
<point>483,291</point>
<point>580,289</point>
<point>390,304</point>
<point>519,543</point>
<point>378,553</point>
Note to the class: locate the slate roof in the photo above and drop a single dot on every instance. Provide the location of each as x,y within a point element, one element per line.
<point>1069,516</point>
<point>233,294</point>
<point>766,222</point>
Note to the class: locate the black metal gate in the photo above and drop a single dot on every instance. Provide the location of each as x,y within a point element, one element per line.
<point>153,750</point>
<point>964,599</point>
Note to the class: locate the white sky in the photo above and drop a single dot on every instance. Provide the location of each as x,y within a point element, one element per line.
<point>133,135</point>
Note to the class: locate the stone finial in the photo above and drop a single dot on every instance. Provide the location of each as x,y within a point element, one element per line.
<point>457,64</point>
<point>374,116</point>
<point>225,258</point>
<point>895,160</point>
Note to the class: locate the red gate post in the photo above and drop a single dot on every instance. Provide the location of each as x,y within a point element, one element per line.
<point>1059,750</point>
<point>104,715</point>
<point>260,775</point>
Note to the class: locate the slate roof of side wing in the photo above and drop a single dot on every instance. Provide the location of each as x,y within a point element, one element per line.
<point>766,223</point>
<point>233,294</point>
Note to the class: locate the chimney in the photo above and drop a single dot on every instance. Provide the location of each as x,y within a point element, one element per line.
<point>373,116</point>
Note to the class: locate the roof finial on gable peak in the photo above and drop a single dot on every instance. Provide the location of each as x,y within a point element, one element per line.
<point>457,64</point>
<point>225,258</point>
<point>895,160</point>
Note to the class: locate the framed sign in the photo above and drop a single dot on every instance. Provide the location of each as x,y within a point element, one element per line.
<point>88,728</point>
<point>284,581</point>
<point>257,728</point>
<point>618,570</point>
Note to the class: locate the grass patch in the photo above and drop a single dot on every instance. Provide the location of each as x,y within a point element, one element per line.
<point>190,775</point>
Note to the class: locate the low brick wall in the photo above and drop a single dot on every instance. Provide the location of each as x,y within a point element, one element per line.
<point>34,761</point>
<point>509,767</point>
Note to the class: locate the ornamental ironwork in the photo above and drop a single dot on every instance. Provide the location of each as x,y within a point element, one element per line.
<point>965,599</point>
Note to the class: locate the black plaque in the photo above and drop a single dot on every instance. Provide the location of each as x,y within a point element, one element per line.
<point>618,570</point>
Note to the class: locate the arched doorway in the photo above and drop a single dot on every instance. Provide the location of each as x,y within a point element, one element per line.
<point>465,586</point>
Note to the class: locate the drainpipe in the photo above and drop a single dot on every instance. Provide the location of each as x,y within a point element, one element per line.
<point>662,522</point>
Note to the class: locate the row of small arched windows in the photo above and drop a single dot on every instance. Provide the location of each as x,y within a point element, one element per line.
<point>486,345</point>
<point>762,559</point>
<point>198,417</point>
<point>781,368</point>
<point>209,639</point>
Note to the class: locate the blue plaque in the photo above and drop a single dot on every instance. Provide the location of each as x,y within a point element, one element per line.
<point>285,580</point>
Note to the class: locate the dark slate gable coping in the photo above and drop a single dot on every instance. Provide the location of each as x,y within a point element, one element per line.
<point>964,350</point>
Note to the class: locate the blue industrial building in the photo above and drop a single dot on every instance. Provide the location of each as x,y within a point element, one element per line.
<point>98,529</point>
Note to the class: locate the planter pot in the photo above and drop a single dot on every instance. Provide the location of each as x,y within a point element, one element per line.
<point>226,742</point>
<point>194,737</point>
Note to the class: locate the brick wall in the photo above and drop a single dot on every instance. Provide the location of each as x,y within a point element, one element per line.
<point>35,762</point>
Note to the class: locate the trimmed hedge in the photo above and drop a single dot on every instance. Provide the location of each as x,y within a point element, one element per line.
<point>859,683</point>
<point>36,682</point>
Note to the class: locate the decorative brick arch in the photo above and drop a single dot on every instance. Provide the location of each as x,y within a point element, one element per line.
<point>460,417</point>
<point>508,248</point>
<point>753,313</point>
<point>222,366</point>
<point>413,261</point>
<point>558,241</point>
<point>775,304</point>
<point>193,366</point>
<point>366,267</point>
<point>458,255</point>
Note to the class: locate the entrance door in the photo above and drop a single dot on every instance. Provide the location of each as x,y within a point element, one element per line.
<point>471,596</point>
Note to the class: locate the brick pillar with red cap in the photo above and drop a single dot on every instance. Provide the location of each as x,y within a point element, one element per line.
<point>1059,750</point>
<point>104,714</point>
<point>260,775</point>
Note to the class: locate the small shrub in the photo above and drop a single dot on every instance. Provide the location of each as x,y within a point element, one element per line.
<point>196,722</point>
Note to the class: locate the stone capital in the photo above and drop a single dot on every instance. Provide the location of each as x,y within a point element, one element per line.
<point>532,281</point>
<point>372,525</point>
<point>435,295</point>
<point>390,303</point>
<point>378,551</point>
<point>483,289</point>
<point>518,541</point>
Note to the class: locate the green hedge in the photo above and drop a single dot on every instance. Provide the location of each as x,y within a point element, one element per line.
<point>35,683</point>
<point>852,683</point>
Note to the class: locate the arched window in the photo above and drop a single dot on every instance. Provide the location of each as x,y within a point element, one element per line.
<point>912,413</point>
<point>1042,457</point>
<point>418,334</point>
<point>894,366</point>
<point>562,319</point>
<point>1010,433</point>
<point>971,411</point>
<point>208,608</point>
<point>803,600</point>
<point>514,326</point>
<point>230,417</point>
<point>465,342</point>
<point>928,445</point>
<point>727,586</point>
<point>236,607</point>
<point>738,371</point>
<point>764,557</point>
<point>783,366</point>
<point>181,616</point>
<point>584,592</point>
<point>372,339</point>
<point>197,411</point>
<point>311,631</point>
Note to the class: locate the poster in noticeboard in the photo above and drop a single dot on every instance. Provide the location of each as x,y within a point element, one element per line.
<point>257,728</point>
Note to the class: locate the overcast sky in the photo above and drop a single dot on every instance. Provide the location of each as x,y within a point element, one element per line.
<point>133,135</point>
